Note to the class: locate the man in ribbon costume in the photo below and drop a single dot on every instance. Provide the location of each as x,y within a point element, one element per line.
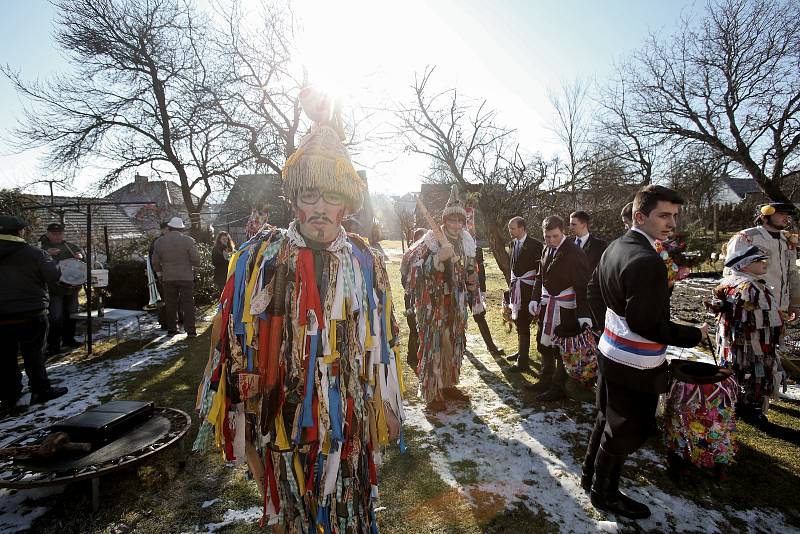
<point>303,380</point>
<point>559,299</point>
<point>629,294</point>
<point>526,254</point>
<point>440,271</point>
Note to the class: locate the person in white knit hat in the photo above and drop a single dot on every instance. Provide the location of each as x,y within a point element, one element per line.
<point>440,272</point>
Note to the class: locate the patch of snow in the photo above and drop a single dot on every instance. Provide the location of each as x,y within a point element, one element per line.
<point>212,502</point>
<point>89,384</point>
<point>525,457</point>
<point>792,392</point>
<point>250,515</point>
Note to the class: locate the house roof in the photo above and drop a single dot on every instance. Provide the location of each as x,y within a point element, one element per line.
<point>166,195</point>
<point>249,192</point>
<point>741,186</point>
<point>119,224</point>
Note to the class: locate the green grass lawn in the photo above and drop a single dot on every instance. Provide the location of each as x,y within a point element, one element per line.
<point>165,495</point>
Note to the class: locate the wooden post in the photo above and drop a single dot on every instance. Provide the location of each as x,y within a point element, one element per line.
<point>715,211</point>
<point>105,239</point>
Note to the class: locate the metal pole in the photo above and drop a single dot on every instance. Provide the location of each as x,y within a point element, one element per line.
<point>89,279</point>
<point>105,239</point>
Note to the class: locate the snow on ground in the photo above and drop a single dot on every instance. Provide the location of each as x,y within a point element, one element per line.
<point>88,384</point>
<point>523,456</point>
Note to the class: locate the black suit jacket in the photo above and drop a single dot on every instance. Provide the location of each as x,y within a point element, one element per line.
<point>528,260</point>
<point>631,280</point>
<point>593,248</point>
<point>568,268</point>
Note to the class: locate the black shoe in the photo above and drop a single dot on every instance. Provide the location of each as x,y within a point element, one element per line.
<point>47,395</point>
<point>191,334</point>
<point>551,395</point>
<point>514,357</point>
<point>7,405</point>
<point>516,368</point>
<point>605,492</point>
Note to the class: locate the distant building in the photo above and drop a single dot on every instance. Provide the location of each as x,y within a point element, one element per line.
<point>735,190</point>
<point>167,199</point>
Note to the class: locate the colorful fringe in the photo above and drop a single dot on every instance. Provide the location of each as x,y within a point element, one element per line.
<point>311,417</point>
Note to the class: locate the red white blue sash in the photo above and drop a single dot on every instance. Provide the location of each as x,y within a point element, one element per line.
<point>621,344</point>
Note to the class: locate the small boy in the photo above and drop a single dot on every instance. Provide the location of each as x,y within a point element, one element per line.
<point>749,330</point>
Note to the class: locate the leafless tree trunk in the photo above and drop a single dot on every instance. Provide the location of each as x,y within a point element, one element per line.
<point>572,125</point>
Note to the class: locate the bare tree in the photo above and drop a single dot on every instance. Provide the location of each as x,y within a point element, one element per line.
<point>467,147</point>
<point>621,137</point>
<point>258,90</point>
<point>697,173</point>
<point>572,125</point>
<point>405,221</point>
<point>136,97</point>
<point>730,82</point>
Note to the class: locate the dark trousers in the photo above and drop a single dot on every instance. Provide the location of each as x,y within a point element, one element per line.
<point>486,334</point>
<point>412,358</point>
<point>553,371</point>
<point>626,415</point>
<point>523,324</point>
<point>179,298</point>
<point>62,326</point>
<point>26,336</point>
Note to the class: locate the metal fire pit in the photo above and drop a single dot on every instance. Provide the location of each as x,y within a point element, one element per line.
<point>163,430</point>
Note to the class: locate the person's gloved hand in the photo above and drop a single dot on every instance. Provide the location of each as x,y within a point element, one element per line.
<point>584,322</point>
<point>533,307</point>
<point>445,253</point>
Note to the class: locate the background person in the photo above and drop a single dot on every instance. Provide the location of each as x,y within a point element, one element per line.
<point>63,298</point>
<point>175,257</point>
<point>220,256</point>
<point>25,274</point>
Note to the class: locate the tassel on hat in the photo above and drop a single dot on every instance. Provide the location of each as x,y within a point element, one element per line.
<point>454,205</point>
<point>322,161</point>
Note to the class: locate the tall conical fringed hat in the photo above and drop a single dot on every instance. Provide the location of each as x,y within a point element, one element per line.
<point>322,161</point>
<point>454,205</point>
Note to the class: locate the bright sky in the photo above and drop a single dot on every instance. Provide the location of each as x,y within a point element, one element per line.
<point>508,52</point>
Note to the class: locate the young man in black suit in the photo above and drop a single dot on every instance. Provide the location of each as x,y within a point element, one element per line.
<point>559,299</point>
<point>591,245</point>
<point>629,295</point>
<point>525,255</point>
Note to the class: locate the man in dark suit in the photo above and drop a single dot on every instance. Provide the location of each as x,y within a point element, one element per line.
<point>525,255</point>
<point>628,294</point>
<point>559,299</point>
<point>591,245</point>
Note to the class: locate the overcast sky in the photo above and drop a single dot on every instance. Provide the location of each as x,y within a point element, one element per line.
<point>507,52</point>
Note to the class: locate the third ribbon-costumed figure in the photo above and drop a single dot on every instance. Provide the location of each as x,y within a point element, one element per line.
<point>440,271</point>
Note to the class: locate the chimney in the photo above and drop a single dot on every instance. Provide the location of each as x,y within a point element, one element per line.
<point>140,179</point>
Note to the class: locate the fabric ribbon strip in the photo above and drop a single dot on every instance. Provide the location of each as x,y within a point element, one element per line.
<point>529,279</point>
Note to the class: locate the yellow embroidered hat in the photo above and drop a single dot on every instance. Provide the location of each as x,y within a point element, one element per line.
<point>322,161</point>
